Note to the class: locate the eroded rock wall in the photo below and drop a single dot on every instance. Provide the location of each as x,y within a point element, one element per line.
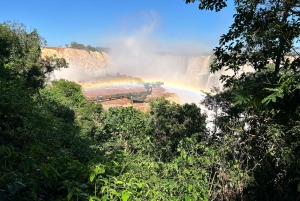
<point>80,58</point>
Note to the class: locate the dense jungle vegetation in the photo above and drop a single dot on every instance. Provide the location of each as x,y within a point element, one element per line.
<point>56,146</point>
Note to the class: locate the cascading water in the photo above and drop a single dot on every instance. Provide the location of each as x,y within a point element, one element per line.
<point>179,70</point>
<point>191,70</point>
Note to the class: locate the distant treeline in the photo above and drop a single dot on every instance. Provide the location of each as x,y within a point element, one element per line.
<point>76,45</point>
<point>117,78</point>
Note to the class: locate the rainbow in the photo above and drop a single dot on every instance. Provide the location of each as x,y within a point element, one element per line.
<point>185,87</point>
<point>186,93</point>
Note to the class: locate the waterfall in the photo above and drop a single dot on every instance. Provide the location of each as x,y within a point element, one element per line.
<point>184,69</point>
<point>193,70</point>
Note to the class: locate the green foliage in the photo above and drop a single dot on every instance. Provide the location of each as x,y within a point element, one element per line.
<point>171,123</point>
<point>38,149</point>
<point>67,93</point>
<point>22,74</point>
<point>257,115</point>
<point>73,150</point>
<point>262,32</point>
<point>89,48</point>
<point>261,135</point>
<point>141,177</point>
<point>77,45</point>
<point>55,146</point>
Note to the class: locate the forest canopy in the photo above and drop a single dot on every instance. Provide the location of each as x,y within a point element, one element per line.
<point>56,146</point>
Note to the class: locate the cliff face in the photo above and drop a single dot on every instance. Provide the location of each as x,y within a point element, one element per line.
<point>79,58</point>
<point>194,70</point>
<point>84,66</point>
<point>91,68</point>
<point>189,70</point>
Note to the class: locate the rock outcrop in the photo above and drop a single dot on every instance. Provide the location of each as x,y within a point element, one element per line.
<point>79,58</point>
<point>90,68</point>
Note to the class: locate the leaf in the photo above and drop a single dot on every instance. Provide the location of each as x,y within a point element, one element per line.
<point>278,93</point>
<point>125,195</point>
<point>120,182</point>
<point>94,198</point>
<point>240,97</point>
<point>18,182</point>
<point>92,176</point>
<point>171,182</point>
<point>187,198</point>
<point>139,185</point>
<point>101,170</point>
<point>70,194</point>
<point>105,197</point>
<point>113,191</point>
<point>105,181</point>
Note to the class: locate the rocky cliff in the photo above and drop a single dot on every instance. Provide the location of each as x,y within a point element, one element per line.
<point>92,68</point>
<point>192,70</point>
<point>82,64</point>
<point>84,59</point>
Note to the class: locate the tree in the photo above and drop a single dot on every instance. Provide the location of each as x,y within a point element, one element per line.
<point>22,73</point>
<point>88,48</point>
<point>67,93</point>
<point>262,32</point>
<point>173,122</point>
<point>260,110</point>
<point>76,45</point>
<point>38,137</point>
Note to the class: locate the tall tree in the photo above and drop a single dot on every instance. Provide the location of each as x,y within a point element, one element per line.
<point>22,73</point>
<point>260,110</point>
<point>262,32</point>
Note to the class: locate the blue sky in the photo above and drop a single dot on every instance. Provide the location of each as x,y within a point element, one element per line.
<point>170,23</point>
